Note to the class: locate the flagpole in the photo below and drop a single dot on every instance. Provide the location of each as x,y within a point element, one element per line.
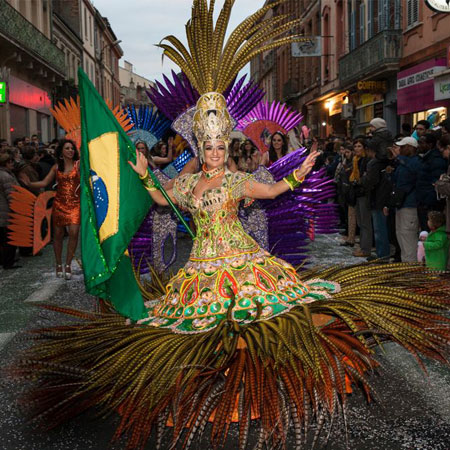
<point>158,185</point>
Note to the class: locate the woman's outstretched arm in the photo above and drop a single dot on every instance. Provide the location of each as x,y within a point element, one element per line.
<point>270,191</point>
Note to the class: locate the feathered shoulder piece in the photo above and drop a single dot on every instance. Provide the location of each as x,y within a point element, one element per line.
<point>210,62</point>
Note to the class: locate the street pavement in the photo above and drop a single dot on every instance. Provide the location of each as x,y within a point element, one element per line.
<point>414,414</point>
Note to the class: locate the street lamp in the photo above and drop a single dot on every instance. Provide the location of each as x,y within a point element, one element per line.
<point>111,45</point>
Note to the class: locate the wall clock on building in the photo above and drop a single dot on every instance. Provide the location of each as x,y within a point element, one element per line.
<point>439,5</point>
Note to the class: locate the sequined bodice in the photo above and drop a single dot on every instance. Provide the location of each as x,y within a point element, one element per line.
<point>219,232</point>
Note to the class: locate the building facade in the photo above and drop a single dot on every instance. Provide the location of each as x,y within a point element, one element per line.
<point>108,52</point>
<point>133,86</point>
<point>31,65</point>
<point>368,72</point>
<point>423,84</point>
<point>67,37</point>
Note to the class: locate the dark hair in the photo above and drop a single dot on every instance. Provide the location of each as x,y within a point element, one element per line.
<point>430,138</point>
<point>16,141</point>
<point>284,149</point>
<point>437,218</point>
<point>444,141</point>
<point>5,158</point>
<point>360,141</point>
<point>406,127</point>
<point>425,123</point>
<point>233,141</point>
<point>446,124</point>
<point>59,151</point>
<point>156,149</point>
<point>28,152</point>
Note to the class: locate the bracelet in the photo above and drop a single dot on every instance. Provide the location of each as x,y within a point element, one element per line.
<point>292,181</point>
<point>298,180</point>
<point>147,183</point>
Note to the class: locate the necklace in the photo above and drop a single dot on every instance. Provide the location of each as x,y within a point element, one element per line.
<point>211,174</point>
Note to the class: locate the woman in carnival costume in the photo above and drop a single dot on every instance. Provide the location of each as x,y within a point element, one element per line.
<point>237,334</point>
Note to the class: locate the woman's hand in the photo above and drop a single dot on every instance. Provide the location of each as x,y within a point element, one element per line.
<point>307,165</point>
<point>141,164</point>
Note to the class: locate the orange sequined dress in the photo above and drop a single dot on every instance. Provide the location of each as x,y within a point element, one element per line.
<point>66,206</point>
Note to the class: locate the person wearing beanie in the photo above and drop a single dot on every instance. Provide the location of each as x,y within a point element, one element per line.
<point>378,123</point>
<point>381,138</point>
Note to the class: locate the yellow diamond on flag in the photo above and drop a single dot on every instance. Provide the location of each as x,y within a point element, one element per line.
<point>104,174</point>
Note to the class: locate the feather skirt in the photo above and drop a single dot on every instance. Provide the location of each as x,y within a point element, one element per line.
<point>280,375</point>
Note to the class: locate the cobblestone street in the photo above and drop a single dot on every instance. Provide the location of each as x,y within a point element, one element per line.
<point>415,413</point>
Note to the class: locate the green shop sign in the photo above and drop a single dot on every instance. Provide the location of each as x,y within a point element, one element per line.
<point>2,92</point>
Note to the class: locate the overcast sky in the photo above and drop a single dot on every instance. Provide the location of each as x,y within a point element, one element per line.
<point>142,23</point>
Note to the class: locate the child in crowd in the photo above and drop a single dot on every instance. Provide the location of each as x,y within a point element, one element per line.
<point>420,248</point>
<point>437,243</point>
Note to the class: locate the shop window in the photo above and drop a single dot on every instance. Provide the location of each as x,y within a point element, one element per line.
<point>412,12</point>
<point>423,115</point>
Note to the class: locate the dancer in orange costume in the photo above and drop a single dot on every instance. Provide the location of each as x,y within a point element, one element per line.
<point>66,206</point>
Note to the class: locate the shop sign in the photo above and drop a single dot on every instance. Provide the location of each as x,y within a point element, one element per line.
<point>309,46</point>
<point>419,77</point>
<point>334,104</point>
<point>2,92</point>
<point>442,87</point>
<point>415,86</point>
<point>372,86</point>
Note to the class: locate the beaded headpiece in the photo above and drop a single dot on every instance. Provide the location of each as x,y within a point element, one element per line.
<point>212,121</point>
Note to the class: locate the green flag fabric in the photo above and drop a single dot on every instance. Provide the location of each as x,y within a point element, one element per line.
<point>113,204</point>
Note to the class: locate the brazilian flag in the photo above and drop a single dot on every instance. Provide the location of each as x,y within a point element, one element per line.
<point>113,204</point>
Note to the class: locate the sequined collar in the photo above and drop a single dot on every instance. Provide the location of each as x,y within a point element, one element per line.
<point>212,174</point>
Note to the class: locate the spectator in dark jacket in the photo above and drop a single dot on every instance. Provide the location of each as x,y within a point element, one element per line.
<point>377,188</point>
<point>405,180</point>
<point>7,181</point>
<point>381,138</point>
<point>433,166</point>
<point>363,216</point>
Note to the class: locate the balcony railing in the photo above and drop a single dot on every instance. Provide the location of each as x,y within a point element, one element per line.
<point>16,28</point>
<point>378,54</point>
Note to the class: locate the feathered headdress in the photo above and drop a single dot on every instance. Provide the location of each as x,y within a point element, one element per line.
<point>211,63</point>
<point>68,116</point>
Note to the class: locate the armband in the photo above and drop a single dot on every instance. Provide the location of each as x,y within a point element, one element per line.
<point>293,181</point>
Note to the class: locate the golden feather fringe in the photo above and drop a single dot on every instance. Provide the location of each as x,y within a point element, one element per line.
<point>281,375</point>
<point>209,62</point>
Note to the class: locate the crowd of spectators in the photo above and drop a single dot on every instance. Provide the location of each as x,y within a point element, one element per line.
<point>27,159</point>
<point>390,189</point>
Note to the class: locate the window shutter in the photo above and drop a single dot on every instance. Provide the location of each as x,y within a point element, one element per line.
<point>386,14</point>
<point>380,16</point>
<point>415,11</point>
<point>370,20</point>
<point>397,14</point>
<point>352,30</point>
<point>362,10</point>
